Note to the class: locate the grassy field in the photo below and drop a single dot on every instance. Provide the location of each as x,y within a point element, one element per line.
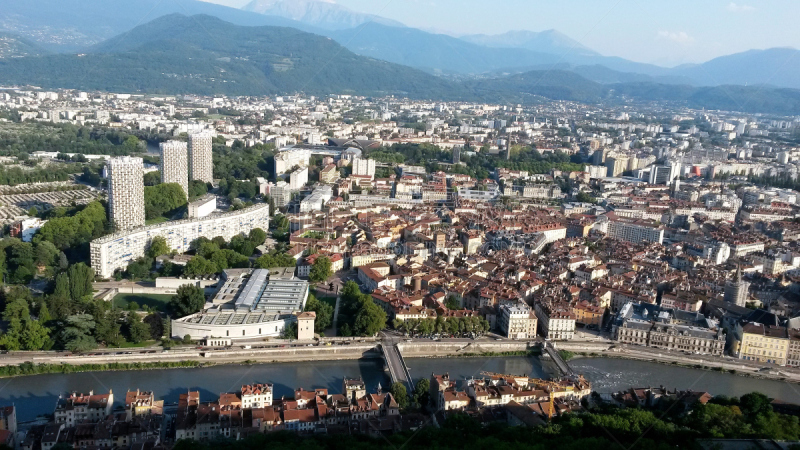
<point>157,301</point>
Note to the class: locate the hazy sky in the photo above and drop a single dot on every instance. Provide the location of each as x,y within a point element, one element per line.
<point>665,32</point>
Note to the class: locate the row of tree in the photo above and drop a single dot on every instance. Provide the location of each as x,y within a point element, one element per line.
<point>457,326</point>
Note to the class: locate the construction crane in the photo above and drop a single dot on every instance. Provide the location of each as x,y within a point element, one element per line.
<point>552,385</point>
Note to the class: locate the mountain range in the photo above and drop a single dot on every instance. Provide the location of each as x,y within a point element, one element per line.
<point>75,25</point>
<point>201,54</point>
<point>320,14</point>
<point>205,55</point>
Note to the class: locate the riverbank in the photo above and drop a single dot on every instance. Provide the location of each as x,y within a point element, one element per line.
<point>27,369</point>
<point>701,362</point>
<point>23,363</point>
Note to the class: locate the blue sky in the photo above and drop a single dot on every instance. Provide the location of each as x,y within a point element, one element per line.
<point>654,31</point>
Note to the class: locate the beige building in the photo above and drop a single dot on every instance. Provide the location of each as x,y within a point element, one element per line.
<point>174,165</point>
<point>556,320</point>
<point>125,192</point>
<point>518,321</point>
<point>305,325</point>
<point>201,166</point>
<point>762,343</point>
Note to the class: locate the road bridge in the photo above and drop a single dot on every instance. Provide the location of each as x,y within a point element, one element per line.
<point>398,370</point>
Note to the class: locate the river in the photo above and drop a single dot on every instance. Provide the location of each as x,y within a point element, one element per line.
<point>36,395</point>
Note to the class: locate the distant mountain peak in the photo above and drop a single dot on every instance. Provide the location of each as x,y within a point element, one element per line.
<point>319,13</point>
<point>546,41</point>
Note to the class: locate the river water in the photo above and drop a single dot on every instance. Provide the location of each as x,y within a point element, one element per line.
<point>36,395</point>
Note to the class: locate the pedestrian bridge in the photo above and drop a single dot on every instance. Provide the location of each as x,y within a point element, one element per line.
<point>557,359</point>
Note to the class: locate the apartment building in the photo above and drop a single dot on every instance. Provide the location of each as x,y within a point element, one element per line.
<point>125,192</point>
<point>517,321</point>
<point>762,343</point>
<point>201,166</point>
<point>174,164</point>
<point>116,251</point>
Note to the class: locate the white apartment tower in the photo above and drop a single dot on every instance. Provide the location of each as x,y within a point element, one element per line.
<point>174,164</point>
<point>364,167</point>
<point>125,192</point>
<point>200,160</point>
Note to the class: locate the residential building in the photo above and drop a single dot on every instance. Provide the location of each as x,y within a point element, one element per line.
<point>305,325</point>
<point>202,207</point>
<point>556,320</point>
<point>201,166</point>
<point>762,343</point>
<point>116,251</point>
<point>174,164</point>
<point>78,408</point>
<point>517,321</point>
<point>125,192</point>
<point>634,230</point>
<point>364,167</point>
<point>256,395</point>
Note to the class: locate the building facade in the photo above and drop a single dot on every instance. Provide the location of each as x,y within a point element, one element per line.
<point>116,251</point>
<point>174,165</point>
<point>652,326</point>
<point>518,321</point>
<point>364,167</point>
<point>201,166</point>
<point>125,192</point>
<point>635,230</point>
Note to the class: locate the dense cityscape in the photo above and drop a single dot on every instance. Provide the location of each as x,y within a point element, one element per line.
<point>227,247</point>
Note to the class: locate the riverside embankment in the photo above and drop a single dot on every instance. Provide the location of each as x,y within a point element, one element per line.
<point>369,349</point>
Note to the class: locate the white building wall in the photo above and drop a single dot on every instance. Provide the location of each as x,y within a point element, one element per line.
<point>116,251</point>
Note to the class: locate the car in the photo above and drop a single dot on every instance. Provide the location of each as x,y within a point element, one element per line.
<point>498,339</point>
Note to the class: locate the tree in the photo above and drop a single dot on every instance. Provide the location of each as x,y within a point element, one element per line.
<point>138,331</point>
<point>152,178</point>
<point>158,246</point>
<point>77,336</point>
<point>188,300</point>
<point>583,197</point>
<point>275,259</point>
<point>324,312</point>
<point>370,319</point>
<point>754,404</point>
<point>46,253</point>
<point>398,391</point>
<point>108,329</point>
<point>321,269</point>
<point>290,332</point>
<point>139,269</point>
<point>422,393</point>
<point>257,236</point>
<point>199,266</point>
<point>452,303</point>
<point>156,325</point>
<point>163,199</point>
<point>34,335</point>
<point>80,280</point>
<point>197,188</point>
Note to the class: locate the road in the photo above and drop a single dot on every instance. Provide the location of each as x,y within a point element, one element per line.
<point>394,360</point>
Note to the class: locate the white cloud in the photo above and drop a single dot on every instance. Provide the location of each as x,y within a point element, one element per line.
<point>733,7</point>
<point>679,37</point>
